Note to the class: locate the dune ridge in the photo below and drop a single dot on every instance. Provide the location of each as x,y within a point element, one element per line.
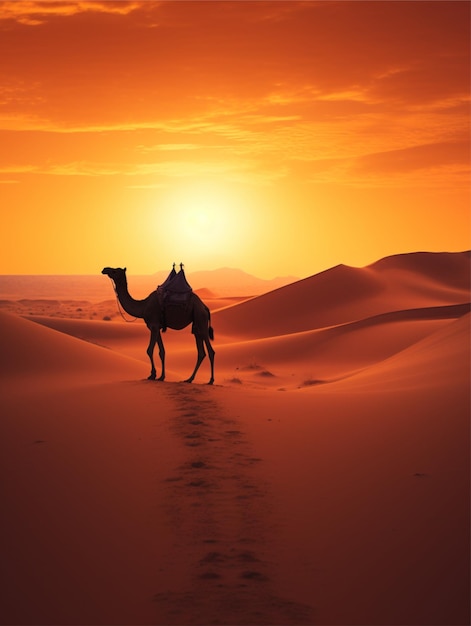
<point>435,265</point>
<point>344,294</point>
<point>427,358</point>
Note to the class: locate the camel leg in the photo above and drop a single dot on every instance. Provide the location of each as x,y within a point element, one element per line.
<point>150,354</point>
<point>161,354</point>
<point>155,337</point>
<point>211,354</point>
<point>199,359</point>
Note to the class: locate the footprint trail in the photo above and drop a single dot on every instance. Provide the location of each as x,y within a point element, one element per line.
<point>219,507</point>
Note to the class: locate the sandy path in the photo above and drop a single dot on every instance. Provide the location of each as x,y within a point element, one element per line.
<point>219,504</point>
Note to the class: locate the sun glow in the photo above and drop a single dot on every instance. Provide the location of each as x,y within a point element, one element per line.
<point>200,220</point>
<point>206,220</point>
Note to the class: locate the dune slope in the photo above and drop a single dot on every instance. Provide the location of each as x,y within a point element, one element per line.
<point>344,294</point>
<point>32,351</point>
<point>371,487</point>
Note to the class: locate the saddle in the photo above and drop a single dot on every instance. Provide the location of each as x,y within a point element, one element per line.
<point>175,290</point>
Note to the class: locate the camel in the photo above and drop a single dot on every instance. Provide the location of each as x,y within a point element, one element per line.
<point>159,311</point>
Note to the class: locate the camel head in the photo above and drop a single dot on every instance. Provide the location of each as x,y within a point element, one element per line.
<point>117,274</point>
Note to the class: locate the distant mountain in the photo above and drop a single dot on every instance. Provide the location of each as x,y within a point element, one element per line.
<point>228,281</point>
<point>222,282</point>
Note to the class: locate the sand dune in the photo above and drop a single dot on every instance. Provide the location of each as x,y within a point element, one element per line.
<point>324,479</point>
<point>38,354</point>
<point>293,359</point>
<point>324,355</point>
<point>443,356</point>
<point>437,266</point>
<point>345,294</point>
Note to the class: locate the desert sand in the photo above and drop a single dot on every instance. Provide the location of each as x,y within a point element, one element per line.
<point>324,478</point>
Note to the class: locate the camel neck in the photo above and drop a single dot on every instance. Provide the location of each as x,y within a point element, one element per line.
<point>130,305</point>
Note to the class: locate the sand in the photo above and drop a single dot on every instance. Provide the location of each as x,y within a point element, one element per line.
<point>324,478</point>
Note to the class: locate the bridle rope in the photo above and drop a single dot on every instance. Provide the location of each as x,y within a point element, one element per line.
<point>119,304</point>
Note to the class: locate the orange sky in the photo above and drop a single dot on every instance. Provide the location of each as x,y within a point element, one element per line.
<point>278,137</point>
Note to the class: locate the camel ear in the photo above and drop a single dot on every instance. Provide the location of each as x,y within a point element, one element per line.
<point>124,269</point>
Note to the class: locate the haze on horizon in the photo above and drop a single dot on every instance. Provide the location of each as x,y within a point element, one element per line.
<point>282,138</point>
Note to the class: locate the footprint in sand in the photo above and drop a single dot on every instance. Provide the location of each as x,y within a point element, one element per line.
<point>253,575</point>
<point>247,557</point>
<point>199,465</point>
<point>198,483</point>
<point>193,435</point>
<point>213,557</point>
<point>210,576</point>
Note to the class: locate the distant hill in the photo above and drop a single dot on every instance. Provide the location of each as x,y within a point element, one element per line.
<point>228,281</point>
<point>221,282</point>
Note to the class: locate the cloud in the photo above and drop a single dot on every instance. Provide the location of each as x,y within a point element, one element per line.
<point>156,173</point>
<point>371,149</point>
<point>273,61</point>
<point>169,147</point>
<point>442,154</point>
<point>17,169</point>
<point>82,168</point>
<point>36,13</point>
<point>24,122</point>
<point>235,170</point>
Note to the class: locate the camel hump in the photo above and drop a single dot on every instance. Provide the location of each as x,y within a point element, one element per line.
<point>175,289</point>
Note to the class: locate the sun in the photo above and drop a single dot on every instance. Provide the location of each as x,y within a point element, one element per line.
<point>205,220</point>
<point>206,217</point>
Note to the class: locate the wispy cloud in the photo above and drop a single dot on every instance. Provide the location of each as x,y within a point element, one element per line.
<point>342,151</point>
<point>82,168</point>
<point>17,169</point>
<point>36,13</point>
<point>169,147</point>
<point>159,174</point>
<point>25,122</point>
<point>420,157</point>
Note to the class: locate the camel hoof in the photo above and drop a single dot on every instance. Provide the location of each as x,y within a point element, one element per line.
<point>211,381</point>
<point>188,380</point>
<point>161,378</point>
<point>151,377</point>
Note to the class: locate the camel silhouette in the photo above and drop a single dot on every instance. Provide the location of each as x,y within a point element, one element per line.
<point>174,305</point>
